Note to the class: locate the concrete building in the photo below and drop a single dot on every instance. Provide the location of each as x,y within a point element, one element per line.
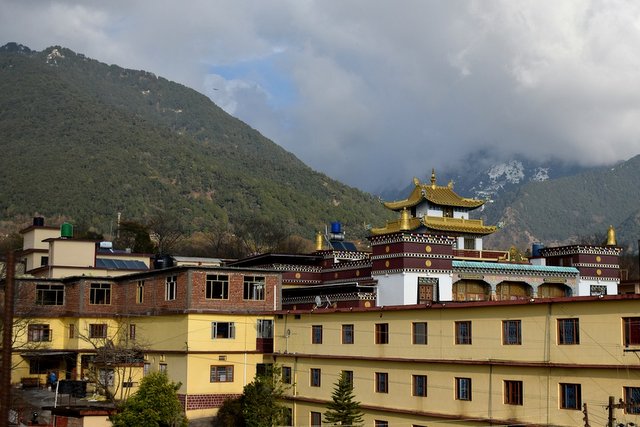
<point>523,362</point>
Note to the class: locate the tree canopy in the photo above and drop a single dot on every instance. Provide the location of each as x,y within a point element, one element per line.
<point>155,404</point>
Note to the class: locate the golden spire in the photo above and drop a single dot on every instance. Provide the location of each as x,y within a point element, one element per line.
<point>433,178</point>
<point>611,237</point>
<point>319,241</point>
<point>404,220</point>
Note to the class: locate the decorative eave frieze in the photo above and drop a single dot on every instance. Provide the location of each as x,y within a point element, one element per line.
<point>412,238</point>
<point>411,255</point>
<point>409,270</point>
<point>595,265</point>
<point>298,268</point>
<point>580,249</point>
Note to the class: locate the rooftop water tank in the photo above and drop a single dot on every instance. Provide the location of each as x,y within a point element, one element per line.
<point>336,227</point>
<point>66,230</point>
<point>535,249</point>
<point>38,221</point>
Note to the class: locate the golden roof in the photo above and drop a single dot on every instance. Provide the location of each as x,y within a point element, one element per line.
<point>435,223</point>
<point>460,225</point>
<point>436,194</point>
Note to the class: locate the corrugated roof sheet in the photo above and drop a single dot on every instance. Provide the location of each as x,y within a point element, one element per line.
<point>514,267</point>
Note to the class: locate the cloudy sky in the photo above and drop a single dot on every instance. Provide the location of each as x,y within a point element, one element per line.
<point>375,92</point>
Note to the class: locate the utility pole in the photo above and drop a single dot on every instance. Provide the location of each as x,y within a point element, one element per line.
<point>610,419</point>
<point>7,335</point>
<point>620,405</point>
<point>586,416</point>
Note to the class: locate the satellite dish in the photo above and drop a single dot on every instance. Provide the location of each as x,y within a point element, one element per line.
<point>318,301</point>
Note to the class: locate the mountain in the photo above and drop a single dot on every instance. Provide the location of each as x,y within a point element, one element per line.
<point>575,208</point>
<point>83,140</point>
<point>551,202</point>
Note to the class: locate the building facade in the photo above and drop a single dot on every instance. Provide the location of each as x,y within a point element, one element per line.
<point>540,362</point>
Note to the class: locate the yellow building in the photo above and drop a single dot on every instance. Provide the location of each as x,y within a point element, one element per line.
<point>538,362</point>
<point>105,325</point>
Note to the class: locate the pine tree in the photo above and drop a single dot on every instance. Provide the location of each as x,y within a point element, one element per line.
<point>344,410</point>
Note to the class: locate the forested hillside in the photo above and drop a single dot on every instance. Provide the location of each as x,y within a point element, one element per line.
<point>576,208</point>
<point>84,140</point>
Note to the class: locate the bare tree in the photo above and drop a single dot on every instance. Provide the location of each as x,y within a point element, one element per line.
<point>117,357</point>
<point>260,235</point>
<point>167,231</point>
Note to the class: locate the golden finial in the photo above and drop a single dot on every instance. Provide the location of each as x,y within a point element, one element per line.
<point>416,181</point>
<point>450,185</point>
<point>433,178</point>
<point>319,241</point>
<point>404,220</point>
<point>611,237</point>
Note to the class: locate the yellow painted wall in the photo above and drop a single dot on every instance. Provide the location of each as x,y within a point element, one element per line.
<point>69,252</point>
<point>599,363</point>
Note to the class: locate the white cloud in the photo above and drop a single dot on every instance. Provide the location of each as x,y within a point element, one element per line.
<point>374,93</point>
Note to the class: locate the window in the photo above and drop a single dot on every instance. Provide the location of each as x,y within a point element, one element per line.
<point>146,369</point>
<point>98,330</point>
<point>72,330</point>
<point>221,374</point>
<point>349,377</point>
<point>420,385</point>
<point>382,333</point>
<point>632,400</point>
<point>463,332</point>
<point>50,294</point>
<point>381,423</point>
<point>419,332</point>
<point>217,286</point>
<point>39,333</point>
<point>100,293</point>
<point>315,377</point>
<point>316,419</point>
<point>286,374</point>
<point>347,334</point>
<point>162,367</point>
<point>44,261</point>
<point>570,396</point>
<point>223,330</point>
<point>263,368</point>
<point>631,330</point>
<point>132,331</point>
<point>316,334</point>
<point>288,416</point>
<point>170,288</point>
<point>463,388</point>
<point>568,331</point>
<point>105,377</point>
<point>382,382</point>
<point>513,392</point>
<point>140,292</point>
<point>511,332</point>
<point>469,243</point>
<point>265,328</point>
<point>254,288</point>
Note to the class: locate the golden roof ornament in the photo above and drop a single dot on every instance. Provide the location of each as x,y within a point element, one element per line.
<point>319,241</point>
<point>405,218</point>
<point>611,237</point>
<point>433,178</point>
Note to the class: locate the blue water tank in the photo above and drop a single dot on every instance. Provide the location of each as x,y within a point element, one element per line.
<point>535,249</point>
<point>336,227</point>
